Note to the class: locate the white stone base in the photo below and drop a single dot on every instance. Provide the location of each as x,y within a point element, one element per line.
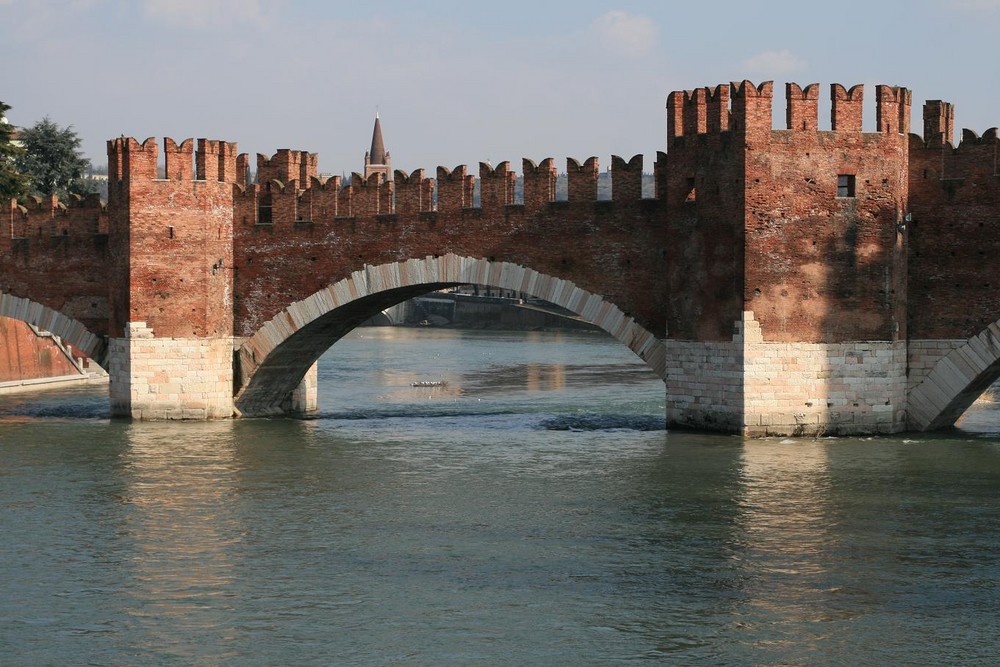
<point>704,385</point>
<point>170,378</point>
<point>305,397</point>
<point>760,388</point>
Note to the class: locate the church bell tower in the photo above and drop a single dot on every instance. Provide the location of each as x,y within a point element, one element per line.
<point>377,160</point>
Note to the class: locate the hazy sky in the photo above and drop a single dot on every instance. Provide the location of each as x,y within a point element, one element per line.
<point>464,81</point>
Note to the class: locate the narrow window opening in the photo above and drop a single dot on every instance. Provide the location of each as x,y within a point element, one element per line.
<point>264,209</point>
<point>845,185</point>
<point>692,193</point>
<point>170,231</point>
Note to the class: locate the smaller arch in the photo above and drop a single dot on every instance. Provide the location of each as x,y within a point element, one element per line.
<point>68,329</point>
<point>272,362</point>
<point>955,382</point>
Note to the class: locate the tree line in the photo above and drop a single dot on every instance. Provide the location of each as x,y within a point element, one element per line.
<point>44,159</point>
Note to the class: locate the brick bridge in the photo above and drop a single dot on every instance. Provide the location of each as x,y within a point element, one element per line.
<point>788,281</point>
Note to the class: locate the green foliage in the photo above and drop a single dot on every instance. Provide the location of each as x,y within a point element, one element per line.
<point>12,183</point>
<point>52,160</point>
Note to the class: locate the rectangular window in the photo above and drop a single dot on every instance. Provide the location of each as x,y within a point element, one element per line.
<point>845,185</point>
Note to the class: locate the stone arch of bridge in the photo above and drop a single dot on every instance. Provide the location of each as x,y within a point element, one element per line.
<point>68,329</point>
<point>955,382</point>
<point>271,363</point>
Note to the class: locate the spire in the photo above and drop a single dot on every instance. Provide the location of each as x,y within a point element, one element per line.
<point>377,152</point>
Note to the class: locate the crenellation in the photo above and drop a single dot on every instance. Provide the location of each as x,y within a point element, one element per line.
<point>217,161</point>
<point>365,195</point>
<point>717,109</point>
<point>626,179</point>
<point>286,165</point>
<point>138,161</point>
<point>660,171</point>
<point>751,109</point>
<point>892,110</point>
<point>695,112</point>
<point>675,115</point>
<point>284,199</point>
<point>939,123</point>
<point>413,192</point>
<point>243,169</point>
<point>115,160</point>
<point>539,183</point>
<point>496,186</point>
<point>453,191</point>
<point>802,110</point>
<point>581,179</point>
<point>207,160</point>
<point>846,108</point>
<point>227,162</point>
<point>178,159</point>
<point>325,199</point>
<point>386,195</point>
<point>345,200</point>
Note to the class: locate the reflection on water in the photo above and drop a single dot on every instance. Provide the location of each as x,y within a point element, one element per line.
<point>540,515</point>
<point>179,557</point>
<point>785,515</point>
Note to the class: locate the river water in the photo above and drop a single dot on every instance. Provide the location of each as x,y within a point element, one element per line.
<point>533,510</point>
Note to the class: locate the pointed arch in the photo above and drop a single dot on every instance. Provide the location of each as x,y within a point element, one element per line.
<point>68,329</point>
<point>955,382</point>
<point>273,361</point>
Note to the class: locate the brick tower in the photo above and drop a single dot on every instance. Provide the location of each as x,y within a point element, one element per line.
<point>171,324</point>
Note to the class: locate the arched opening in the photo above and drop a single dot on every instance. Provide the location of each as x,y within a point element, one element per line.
<point>66,328</point>
<point>273,362</point>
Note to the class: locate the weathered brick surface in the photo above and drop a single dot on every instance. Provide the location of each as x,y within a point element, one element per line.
<point>954,235</point>
<point>24,355</point>
<point>56,254</point>
<point>171,241</point>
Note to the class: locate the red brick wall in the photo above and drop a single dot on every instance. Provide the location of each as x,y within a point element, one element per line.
<point>27,356</point>
<point>56,254</point>
<point>759,225</point>
<point>700,183</point>
<point>172,240</point>
<point>819,267</point>
<point>954,236</point>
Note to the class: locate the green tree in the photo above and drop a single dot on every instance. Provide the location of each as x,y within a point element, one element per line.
<point>52,159</point>
<point>12,182</point>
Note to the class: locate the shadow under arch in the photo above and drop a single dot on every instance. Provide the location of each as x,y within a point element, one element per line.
<point>272,363</point>
<point>955,382</point>
<point>68,329</point>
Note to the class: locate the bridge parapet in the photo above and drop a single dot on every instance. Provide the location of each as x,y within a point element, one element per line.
<point>496,186</point>
<point>455,189</point>
<point>581,179</point>
<point>539,183</point>
<point>283,201</point>
<point>43,217</point>
<point>287,165</point>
